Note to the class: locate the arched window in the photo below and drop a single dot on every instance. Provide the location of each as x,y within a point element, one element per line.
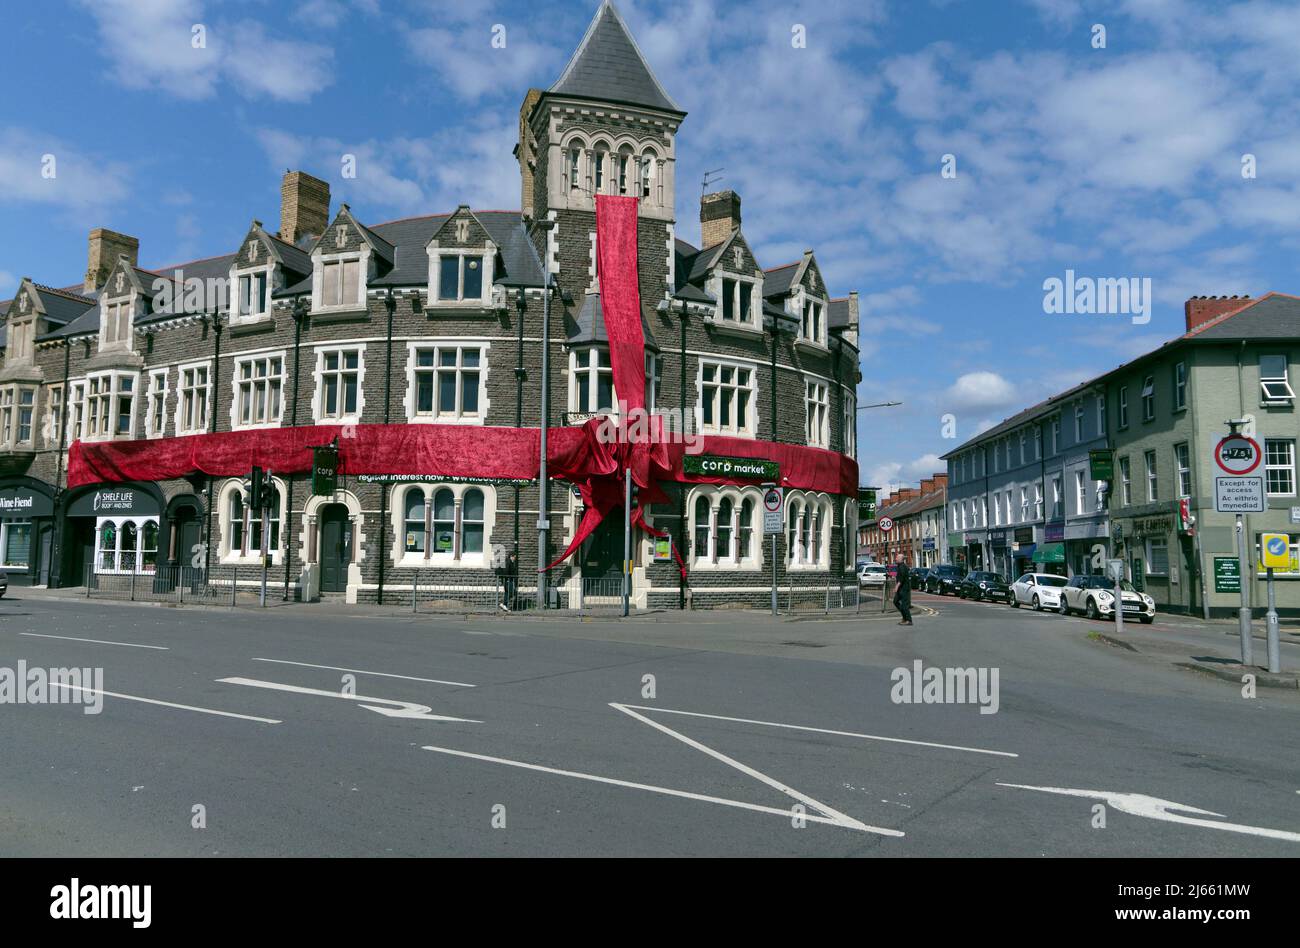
<point>413,519</point>
<point>702,529</point>
<point>724,531</point>
<point>792,540</point>
<point>236,522</point>
<point>815,518</point>
<point>471,516</point>
<point>600,161</point>
<point>625,169</point>
<point>745,533</point>
<point>575,166</point>
<point>444,521</point>
<point>108,547</point>
<point>149,546</point>
<point>806,553</point>
<point>646,171</point>
<point>130,536</point>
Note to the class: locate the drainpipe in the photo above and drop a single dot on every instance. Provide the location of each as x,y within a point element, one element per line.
<point>681,493</point>
<point>55,579</point>
<point>775,332</point>
<point>390,304</point>
<point>212,427</point>
<point>299,312</point>
<point>521,305</point>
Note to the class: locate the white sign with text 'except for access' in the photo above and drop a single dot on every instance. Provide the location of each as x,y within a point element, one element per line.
<point>1239,495</point>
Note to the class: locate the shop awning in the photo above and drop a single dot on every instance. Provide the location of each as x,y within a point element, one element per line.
<point>1050,553</point>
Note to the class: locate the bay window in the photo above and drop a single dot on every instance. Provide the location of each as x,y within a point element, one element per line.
<point>591,381</point>
<point>110,404</point>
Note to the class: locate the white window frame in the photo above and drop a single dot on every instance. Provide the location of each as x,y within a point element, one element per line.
<point>318,410</point>
<point>322,260</point>
<point>248,553</point>
<point>718,285</point>
<point>487,253</point>
<point>54,408</point>
<point>76,407</point>
<point>594,372</point>
<point>711,557</point>
<point>411,401</point>
<point>137,565</point>
<point>1180,386</point>
<point>1183,467</point>
<point>849,422</point>
<point>817,412</point>
<point>1125,481</point>
<point>716,427</point>
<point>236,381</point>
<point>1149,399</point>
<point>1275,389</point>
<point>112,334</point>
<point>1287,466</point>
<point>800,507</point>
<point>1080,493</point>
<point>180,423</point>
<point>1122,420</point>
<point>1153,483</point>
<point>156,392</point>
<point>110,397</point>
<point>1150,544</point>
<point>456,557</point>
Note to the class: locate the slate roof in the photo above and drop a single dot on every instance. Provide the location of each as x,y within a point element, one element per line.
<point>839,316</point>
<point>778,280</point>
<point>1272,316</point>
<point>410,236</point>
<point>589,324</point>
<point>608,65</point>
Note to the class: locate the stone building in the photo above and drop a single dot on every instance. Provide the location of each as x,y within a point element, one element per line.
<point>337,323</point>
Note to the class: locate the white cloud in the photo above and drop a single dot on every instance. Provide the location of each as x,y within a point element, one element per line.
<point>979,391</point>
<point>80,182</point>
<point>8,283</point>
<point>149,45</point>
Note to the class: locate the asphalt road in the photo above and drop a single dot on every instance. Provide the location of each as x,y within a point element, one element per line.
<point>560,740</point>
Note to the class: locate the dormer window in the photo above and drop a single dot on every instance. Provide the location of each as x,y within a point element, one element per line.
<point>813,328</point>
<point>116,328</point>
<point>340,282</point>
<point>461,277</point>
<point>20,341</point>
<point>736,303</point>
<point>252,294</point>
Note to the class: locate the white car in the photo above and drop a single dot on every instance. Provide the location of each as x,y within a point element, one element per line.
<point>4,583</point>
<point>1094,596</point>
<point>872,574</point>
<point>1039,590</point>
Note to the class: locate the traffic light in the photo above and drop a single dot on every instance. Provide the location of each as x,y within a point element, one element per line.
<point>255,490</point>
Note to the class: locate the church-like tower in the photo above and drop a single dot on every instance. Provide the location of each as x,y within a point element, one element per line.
<point>606,126</point>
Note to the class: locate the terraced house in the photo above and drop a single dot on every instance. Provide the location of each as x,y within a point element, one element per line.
<point>331,326</point>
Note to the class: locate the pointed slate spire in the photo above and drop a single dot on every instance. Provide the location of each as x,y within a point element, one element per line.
<point>608,65</point>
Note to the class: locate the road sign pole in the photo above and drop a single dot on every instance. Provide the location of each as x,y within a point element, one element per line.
<point>1270,620</point>
<point>627,538</point>
<point>1243,612</point>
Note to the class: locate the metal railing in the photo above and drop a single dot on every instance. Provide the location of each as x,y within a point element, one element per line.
<point>218,585</point>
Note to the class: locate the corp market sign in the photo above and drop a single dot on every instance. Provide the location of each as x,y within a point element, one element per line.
<point>707,465</point>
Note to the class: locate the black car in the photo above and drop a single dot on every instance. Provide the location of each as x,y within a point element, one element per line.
<point>943,580</point>
<point>919,576</point>
<point>978,585</point>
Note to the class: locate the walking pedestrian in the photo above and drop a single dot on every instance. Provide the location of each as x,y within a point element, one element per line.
<point>903,594</point>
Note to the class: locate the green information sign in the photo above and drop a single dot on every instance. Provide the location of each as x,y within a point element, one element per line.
<point>1101,461</point>
<point>866,503</point>
<point>747,468</point>
<point>324,471</point>
<point>1227,574</point>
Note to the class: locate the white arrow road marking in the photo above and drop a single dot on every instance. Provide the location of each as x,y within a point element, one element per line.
<point>69,638</point>
<point>1139,804</point>
<point>358,671</point>
<point>822,730</point>
<point>667,791</point>
<point>399,709</point>
<point>835,815</point>
<point>166,704</point>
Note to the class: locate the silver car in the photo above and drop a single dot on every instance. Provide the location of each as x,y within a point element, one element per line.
<point>1039,590</point>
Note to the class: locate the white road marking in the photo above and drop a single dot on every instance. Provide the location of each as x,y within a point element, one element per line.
<point>667,791</point>
<point>400,709</point>
<point>820,730</point>
<point>835,815</point>
<point>167,704</point>
<point>70,638</point>
<point>1153,808</point>
<point>358,671</point>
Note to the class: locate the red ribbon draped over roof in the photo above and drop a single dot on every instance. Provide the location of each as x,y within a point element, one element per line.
<point>578,455</point>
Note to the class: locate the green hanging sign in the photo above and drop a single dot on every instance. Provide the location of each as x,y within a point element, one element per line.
<point>324,471</point>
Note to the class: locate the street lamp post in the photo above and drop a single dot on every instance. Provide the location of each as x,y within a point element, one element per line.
<point>543,492</point>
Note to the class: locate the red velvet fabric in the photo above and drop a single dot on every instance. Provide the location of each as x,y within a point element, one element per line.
<point>620,294</point>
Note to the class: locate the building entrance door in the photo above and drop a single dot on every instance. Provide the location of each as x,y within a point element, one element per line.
<point>602,553</point>
<point>335,548</point>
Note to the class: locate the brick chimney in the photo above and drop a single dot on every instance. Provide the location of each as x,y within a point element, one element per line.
<point>304,207</point>
<point>940,482</point>
<point>1201,309</point>
<point>105,246</point>
<point>719,216</point>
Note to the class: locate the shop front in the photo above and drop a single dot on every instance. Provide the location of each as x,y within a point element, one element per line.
<point>1022,551</point>
<point>1049,558</point>
<point>26,530</point>
<point>111,529</point>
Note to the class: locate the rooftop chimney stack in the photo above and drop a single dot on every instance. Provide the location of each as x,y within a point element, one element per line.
<point>1201,309</point>
<point>526,151</point>
<point>304,207</point>
<point>719,216</point>
<point>105,246</point>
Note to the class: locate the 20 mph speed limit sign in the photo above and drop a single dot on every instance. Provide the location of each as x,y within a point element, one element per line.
<point>885,524</point>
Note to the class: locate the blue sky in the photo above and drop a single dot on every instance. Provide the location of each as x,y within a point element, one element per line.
<point>1123,161</point>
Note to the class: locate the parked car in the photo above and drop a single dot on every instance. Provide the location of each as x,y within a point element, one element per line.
<point>4,584</point>
<point>1094,596</point>
<point>872,574</point>
<point>919,577</point>
<point>980,586</point>
<point>943,580</point>
<point>1040,590</point>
